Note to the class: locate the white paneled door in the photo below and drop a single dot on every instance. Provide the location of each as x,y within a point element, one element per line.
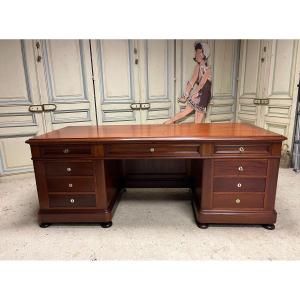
<point>18,91</point>
<point>66,85</point>
<point>134,80</point>
<point>116,80</point>
<point>267,93</point>
<point>157,85</point>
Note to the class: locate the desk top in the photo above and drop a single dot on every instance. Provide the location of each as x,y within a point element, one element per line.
<point>159,132</point>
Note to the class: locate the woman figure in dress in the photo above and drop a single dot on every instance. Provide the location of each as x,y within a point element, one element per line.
<point>201,96</point>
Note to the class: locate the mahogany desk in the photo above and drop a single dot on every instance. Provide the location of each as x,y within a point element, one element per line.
<point>232,169</point>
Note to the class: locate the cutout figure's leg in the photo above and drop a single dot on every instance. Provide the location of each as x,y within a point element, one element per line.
<point>199,115</point>
<point>180,115</point>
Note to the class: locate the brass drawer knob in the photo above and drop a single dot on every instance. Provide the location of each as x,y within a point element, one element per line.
<point>72,200</point>
<point>240,168</point>
<point>66,150</point>
<point>69,169</point>
<point>152,150</point>
<point>241,149</point>
<point>70,185</point>
<point>239,185</point>
<point>237,201</point>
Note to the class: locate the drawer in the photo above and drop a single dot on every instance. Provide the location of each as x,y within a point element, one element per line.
<point>63,168</point>
<point>240,167</point>
<point>238,200</point>
<point>152,149</point>
<point>66,151</point>
<point>237,184</point>
<point>242,149</point>
<point>72,184</point>
<point>70,201</point>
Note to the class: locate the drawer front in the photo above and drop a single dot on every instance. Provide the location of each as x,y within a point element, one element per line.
<point>71,184</point>
<point>238,200</point>
<point>150,149</point>
<point>66,151</point>
<point>242,149</point>
<point>239,184</point>
<point>240,167</point>
<point>63,168</point>
<point>72,201</point>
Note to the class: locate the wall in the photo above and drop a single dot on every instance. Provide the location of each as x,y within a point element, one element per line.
<point>72,82</point>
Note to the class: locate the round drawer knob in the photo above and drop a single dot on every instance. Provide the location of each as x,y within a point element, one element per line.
<point>241,149</point>
<point>69,169</point>
<point>239,185</point>
<point>240,168</point>
<point>152,149</point>
<point>237,201</point>
<point>66,150</point>
<point>72,200</point>
<point>70,185</point>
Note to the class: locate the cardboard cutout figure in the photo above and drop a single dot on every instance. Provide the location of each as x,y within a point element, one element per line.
<point>201,96</point>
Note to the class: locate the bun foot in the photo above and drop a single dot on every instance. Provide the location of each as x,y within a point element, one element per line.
<point>45,225</point>
<point>269,226</point>
<point>202,225</point>
<point>106,224</point>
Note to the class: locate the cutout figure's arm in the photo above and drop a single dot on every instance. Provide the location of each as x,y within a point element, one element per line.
<point>207,76</point>
<point>190,84</point>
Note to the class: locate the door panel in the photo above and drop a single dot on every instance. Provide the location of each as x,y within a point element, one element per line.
<point>224,61</point>
<point>18,90</point>
<point>116,81</point>
<point>156,67</point>
<point>250,69</point>
<point>281,87</point>
<point>66,80</point>
<point>250,81</point>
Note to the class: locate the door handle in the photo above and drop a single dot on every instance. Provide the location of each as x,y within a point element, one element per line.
<point>49,107</point>
<point>135,106</point>
<point>145,105</point>
<point>140,105</point>
<point>261,101</point>
<point>35,108</point>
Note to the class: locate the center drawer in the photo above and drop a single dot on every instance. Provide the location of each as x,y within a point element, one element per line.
<point>238,184</point>
<point>72,184</point>
<point>152,149</point>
